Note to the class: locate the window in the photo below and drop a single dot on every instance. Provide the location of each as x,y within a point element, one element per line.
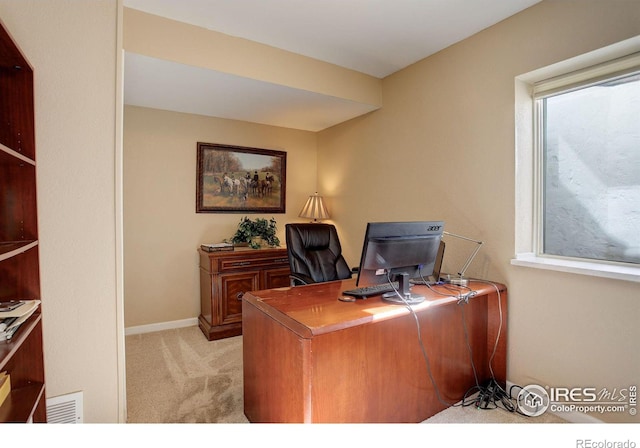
<point>590,149</point>
<point>582,208</point>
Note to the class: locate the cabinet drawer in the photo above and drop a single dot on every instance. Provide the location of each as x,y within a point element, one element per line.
<point>252,263</point>
<point>232,289</point>
<point>243,259</point>
<point>276,278</point>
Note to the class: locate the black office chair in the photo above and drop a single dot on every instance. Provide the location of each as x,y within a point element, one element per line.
<point>315,254</point>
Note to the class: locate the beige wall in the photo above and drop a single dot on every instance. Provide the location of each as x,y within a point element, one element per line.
<point>442,147</point>
<point>161,227</point>
<point>72,47</point>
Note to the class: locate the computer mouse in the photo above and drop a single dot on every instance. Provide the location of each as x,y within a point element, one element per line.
<point>347,299</point>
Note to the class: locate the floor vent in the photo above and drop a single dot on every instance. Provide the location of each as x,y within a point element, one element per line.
<point>65,408</point>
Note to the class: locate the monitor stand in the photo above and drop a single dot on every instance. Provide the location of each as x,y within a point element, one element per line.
<point>408,298</point>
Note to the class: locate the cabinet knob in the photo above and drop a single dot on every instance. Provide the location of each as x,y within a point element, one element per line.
<point>240,295</point>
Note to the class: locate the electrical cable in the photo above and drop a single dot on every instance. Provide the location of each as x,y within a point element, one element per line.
<point>466,339</point>
<point>424,351</point>
<point>489,395</point>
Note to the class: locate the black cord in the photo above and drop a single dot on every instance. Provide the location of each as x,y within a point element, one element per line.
<point>462,299</point>
<point>466,339</point>
<point>486,396</point>
<point>424,351</point>
<point>491,395</point>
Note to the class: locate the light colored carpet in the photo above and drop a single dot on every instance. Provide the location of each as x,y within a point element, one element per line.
<point>177,376</point>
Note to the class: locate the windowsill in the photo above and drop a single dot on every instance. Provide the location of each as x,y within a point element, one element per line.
<point>618,272</point>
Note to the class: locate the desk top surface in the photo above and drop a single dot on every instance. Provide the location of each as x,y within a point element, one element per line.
<point>312,310</point>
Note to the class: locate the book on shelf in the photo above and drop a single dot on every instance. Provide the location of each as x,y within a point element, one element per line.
<point>5,322</point>
<point>10,305</point>
<point>5,386</point>
<point>215,247</point>
<point>11,320</point>
<point>27,307</point>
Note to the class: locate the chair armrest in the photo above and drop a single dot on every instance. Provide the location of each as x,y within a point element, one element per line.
<point>300,279</point>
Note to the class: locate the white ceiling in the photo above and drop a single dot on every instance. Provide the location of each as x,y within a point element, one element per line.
<point>376,37</point>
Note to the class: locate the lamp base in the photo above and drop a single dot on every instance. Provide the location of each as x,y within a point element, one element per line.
<point>458,281</point>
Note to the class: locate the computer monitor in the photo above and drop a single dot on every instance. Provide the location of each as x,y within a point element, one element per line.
<point>399,251</point>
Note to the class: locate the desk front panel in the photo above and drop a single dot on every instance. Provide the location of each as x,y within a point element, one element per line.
<point>378,372</point>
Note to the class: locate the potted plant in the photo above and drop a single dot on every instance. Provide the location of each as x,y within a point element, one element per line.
<point>256,233</point>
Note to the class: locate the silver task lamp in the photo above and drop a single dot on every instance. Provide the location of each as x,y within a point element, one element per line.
<point>461,280</point>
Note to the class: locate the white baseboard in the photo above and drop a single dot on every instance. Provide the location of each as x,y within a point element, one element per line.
<point>571,417</point>
<point>140,329</point>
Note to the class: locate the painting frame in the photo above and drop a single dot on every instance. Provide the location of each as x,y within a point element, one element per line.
<point>240,179</point>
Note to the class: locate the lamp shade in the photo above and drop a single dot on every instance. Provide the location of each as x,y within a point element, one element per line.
<point>314,208</point>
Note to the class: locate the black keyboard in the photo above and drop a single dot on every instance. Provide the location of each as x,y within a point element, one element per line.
<point>374,290</point>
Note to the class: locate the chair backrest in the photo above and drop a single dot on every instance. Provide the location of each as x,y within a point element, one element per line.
<point>314,250</point>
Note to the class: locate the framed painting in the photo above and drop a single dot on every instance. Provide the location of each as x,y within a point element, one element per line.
<point>237,179</point>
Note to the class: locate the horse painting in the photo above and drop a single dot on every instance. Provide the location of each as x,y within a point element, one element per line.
<point>238,179</point>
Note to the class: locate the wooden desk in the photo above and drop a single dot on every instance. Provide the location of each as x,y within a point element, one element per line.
<point>309,357</point>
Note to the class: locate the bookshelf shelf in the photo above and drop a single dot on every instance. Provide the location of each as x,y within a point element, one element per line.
<point>10,249</point>
<point>9,348</point>
<point>18,407</point>
<point>10,157</point>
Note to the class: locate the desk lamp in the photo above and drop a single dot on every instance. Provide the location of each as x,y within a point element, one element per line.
<point>461,280</point>
<point>314,209</point>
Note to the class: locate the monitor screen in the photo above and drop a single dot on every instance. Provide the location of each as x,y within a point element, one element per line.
<point>398,251</point>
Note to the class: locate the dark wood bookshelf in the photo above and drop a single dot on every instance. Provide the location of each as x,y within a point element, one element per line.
<point>22,355</point>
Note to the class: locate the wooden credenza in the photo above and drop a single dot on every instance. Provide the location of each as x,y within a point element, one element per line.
<point>224,279</point>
